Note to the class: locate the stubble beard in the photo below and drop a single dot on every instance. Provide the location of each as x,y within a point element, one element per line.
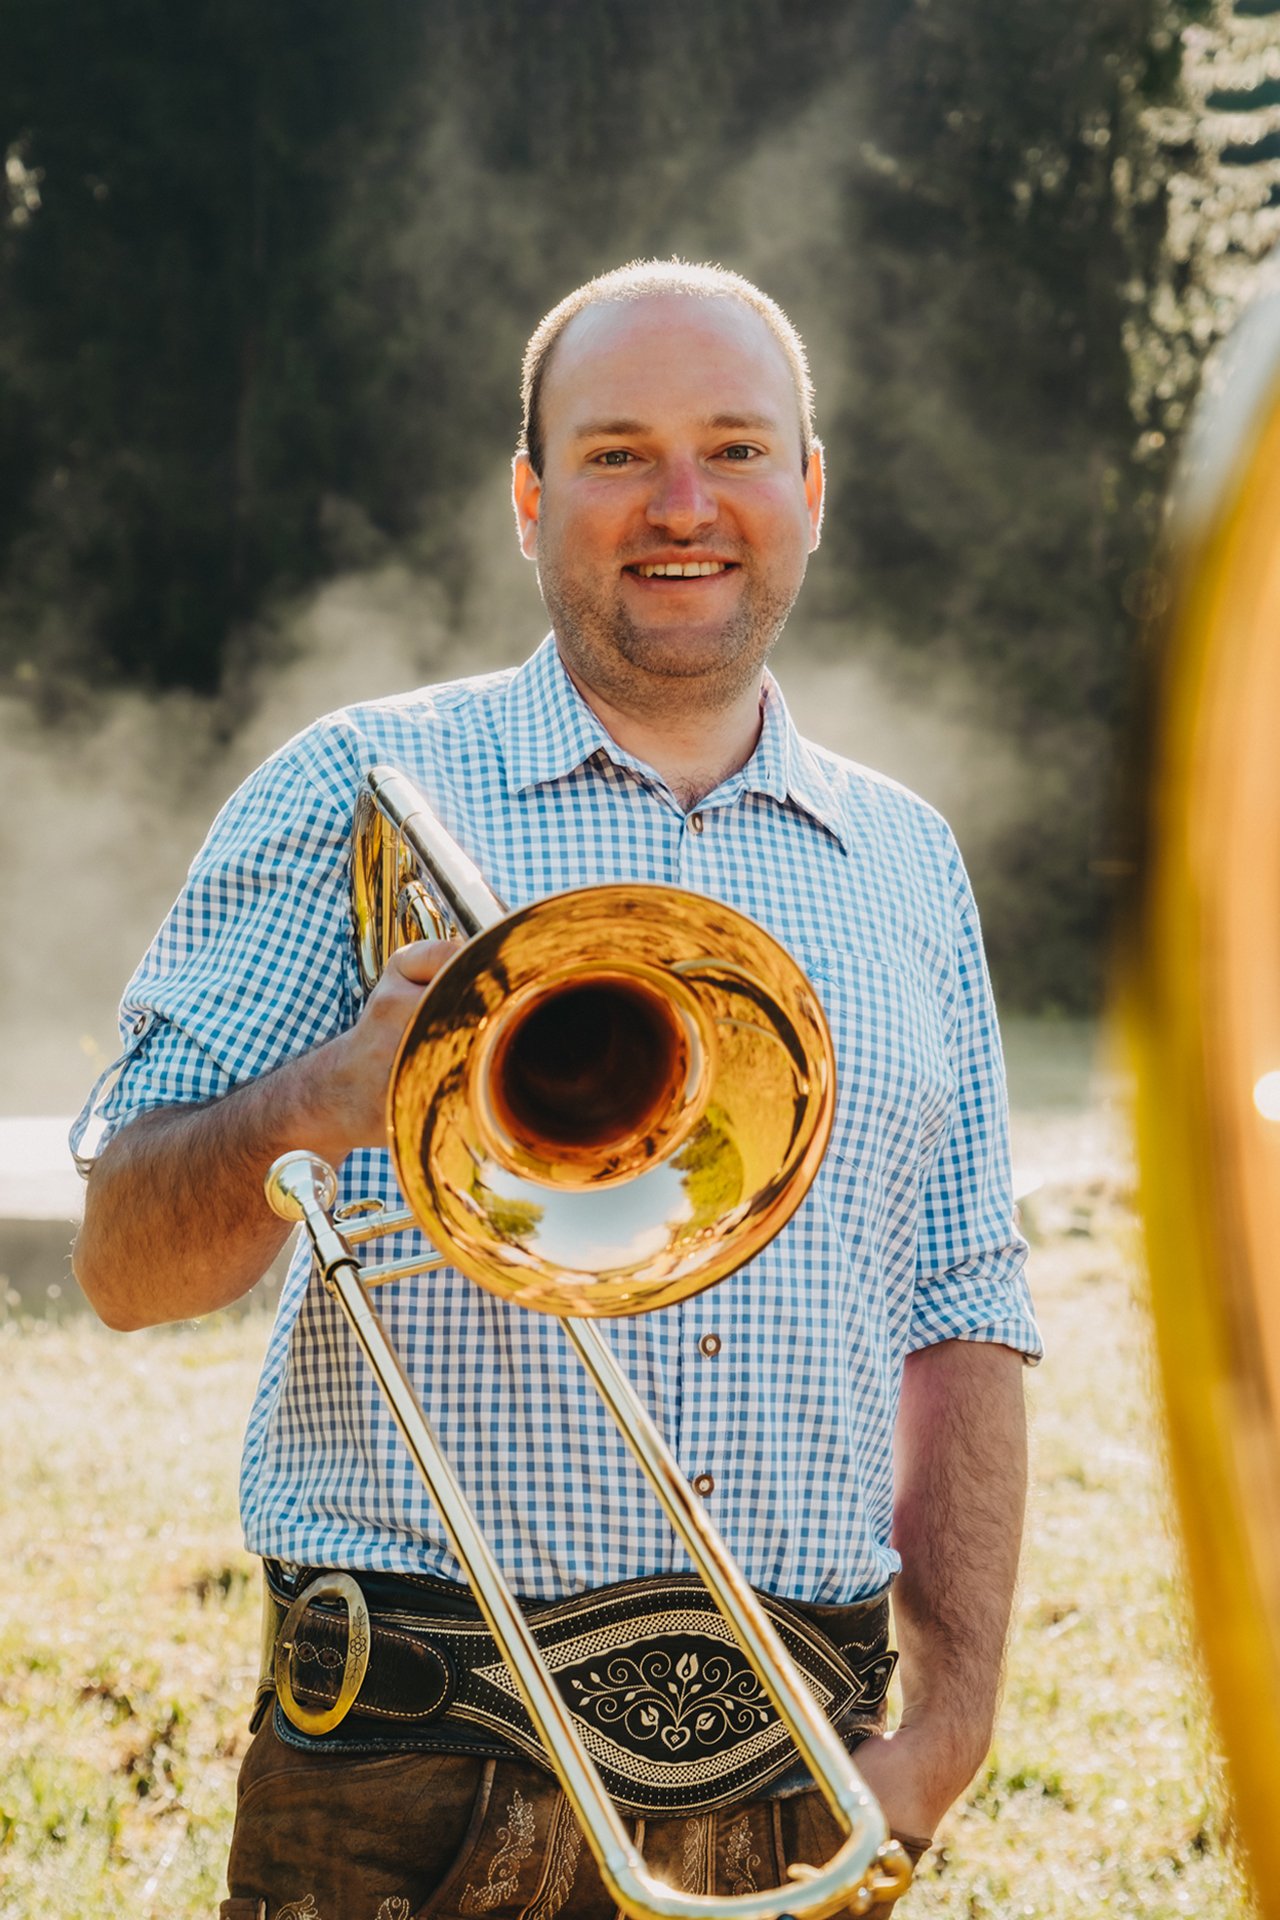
<point>654,670</point>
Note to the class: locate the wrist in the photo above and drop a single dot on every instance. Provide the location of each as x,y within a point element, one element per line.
<point>964,1736</point>
<point>912,1795</point>
<point>321,1111</point>
<point>946,1753</point>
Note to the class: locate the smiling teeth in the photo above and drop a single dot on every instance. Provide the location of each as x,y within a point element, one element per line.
<point>692,570</point>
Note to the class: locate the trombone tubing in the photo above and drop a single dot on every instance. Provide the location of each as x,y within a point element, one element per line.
<point>457,879</point>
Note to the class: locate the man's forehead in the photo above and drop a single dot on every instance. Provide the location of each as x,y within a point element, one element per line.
<point>616,353</point>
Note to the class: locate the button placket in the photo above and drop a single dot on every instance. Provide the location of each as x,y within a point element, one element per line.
<point>693,859</point>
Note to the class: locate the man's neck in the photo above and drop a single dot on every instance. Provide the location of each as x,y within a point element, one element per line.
<point>693,750</point>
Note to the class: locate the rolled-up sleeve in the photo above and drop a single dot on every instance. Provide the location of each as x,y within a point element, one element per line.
<point>251,966</point>
<point>970,1277</point>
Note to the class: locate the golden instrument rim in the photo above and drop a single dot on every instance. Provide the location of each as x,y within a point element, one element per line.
<point>1200,995</point>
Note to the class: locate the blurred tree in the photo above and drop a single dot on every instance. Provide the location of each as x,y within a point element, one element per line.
<point>159,381</point>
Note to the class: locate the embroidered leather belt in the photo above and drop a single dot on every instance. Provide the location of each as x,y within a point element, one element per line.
<point>662,1695</point>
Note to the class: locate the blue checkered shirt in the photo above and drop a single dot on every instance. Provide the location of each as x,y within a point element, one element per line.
<point>906,1237</point>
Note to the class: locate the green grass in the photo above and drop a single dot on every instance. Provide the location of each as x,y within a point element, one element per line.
<point>128,1616</point>
<point>129,1612</point>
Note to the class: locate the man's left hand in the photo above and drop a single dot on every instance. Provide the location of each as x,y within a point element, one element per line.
<point>915,1779</point>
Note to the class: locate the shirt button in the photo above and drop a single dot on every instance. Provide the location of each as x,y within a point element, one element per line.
<point>710,1345</point>
<point>695,823</point>
<point>703,1483</point>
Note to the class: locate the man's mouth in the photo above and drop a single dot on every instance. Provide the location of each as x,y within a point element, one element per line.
<point>680,569</point>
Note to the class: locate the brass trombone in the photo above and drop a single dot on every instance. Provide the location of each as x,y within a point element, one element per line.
<point>604,1103</point>
<point>1201,989</point>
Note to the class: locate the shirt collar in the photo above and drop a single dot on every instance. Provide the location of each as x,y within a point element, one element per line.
<point>550,730</point>
<point>788,769</point>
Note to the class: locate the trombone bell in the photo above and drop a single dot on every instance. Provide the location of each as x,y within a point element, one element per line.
<point>611,1099</point>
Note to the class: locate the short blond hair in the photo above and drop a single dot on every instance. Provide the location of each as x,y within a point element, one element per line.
<point>643,280</point>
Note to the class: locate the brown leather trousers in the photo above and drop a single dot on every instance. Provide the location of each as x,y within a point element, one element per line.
<point>409,1836</point>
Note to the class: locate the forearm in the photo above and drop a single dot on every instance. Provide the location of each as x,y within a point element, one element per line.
<point>960,1493</point>
<point>176,1222</point>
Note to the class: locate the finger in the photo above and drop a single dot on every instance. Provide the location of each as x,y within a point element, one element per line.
<point>421,960</point>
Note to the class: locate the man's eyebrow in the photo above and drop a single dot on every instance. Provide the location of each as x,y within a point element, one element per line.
<point>744,422</point>
<point>636,429</point>
<point>610,429</point>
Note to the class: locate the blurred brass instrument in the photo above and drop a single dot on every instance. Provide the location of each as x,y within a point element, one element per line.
<point>604,1103</point>
<point>1202,991</point>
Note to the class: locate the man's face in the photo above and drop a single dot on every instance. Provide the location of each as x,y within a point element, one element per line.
<point>672,523</point>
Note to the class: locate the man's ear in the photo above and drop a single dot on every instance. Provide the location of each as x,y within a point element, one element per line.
<point>814,491</point>
<point>526,495</point>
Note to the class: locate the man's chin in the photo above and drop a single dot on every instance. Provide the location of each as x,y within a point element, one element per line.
<point>684,653</point>
<point>624,659</point>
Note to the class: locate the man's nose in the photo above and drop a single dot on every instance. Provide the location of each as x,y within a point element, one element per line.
<point>681,499</point>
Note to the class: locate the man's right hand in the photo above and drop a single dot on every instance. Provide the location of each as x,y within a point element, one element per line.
<point>359,1062</point>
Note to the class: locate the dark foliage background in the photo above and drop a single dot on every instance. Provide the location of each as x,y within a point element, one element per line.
<point>267,272</point>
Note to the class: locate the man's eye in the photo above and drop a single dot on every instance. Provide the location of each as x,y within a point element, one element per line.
<point>740,452</point>
<point>613,457</point>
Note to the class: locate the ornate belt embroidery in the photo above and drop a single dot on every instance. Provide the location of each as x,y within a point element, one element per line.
<point>665,1701</point>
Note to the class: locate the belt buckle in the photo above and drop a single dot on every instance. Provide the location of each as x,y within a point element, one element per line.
<point>332,1586</point>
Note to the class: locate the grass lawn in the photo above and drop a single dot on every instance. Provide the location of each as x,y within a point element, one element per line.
<point>129,1612</point>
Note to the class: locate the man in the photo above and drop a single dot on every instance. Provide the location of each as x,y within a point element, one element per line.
<point>852,1398</point>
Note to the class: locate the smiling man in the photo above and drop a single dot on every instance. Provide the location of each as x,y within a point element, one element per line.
<point>850,1404</point>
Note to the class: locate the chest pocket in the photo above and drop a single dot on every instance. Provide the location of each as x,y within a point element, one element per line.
<point>895,1083</point>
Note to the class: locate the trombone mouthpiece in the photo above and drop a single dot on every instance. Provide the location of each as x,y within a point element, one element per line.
<point>296,1178</point>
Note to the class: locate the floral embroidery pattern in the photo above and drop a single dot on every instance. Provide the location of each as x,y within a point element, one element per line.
<point>740,1862</point>
<point>306,1652</point>
<point>395,1907</point>
<point>503,1878</point>
<point>702,1702</point>
<point>304,1909</point>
